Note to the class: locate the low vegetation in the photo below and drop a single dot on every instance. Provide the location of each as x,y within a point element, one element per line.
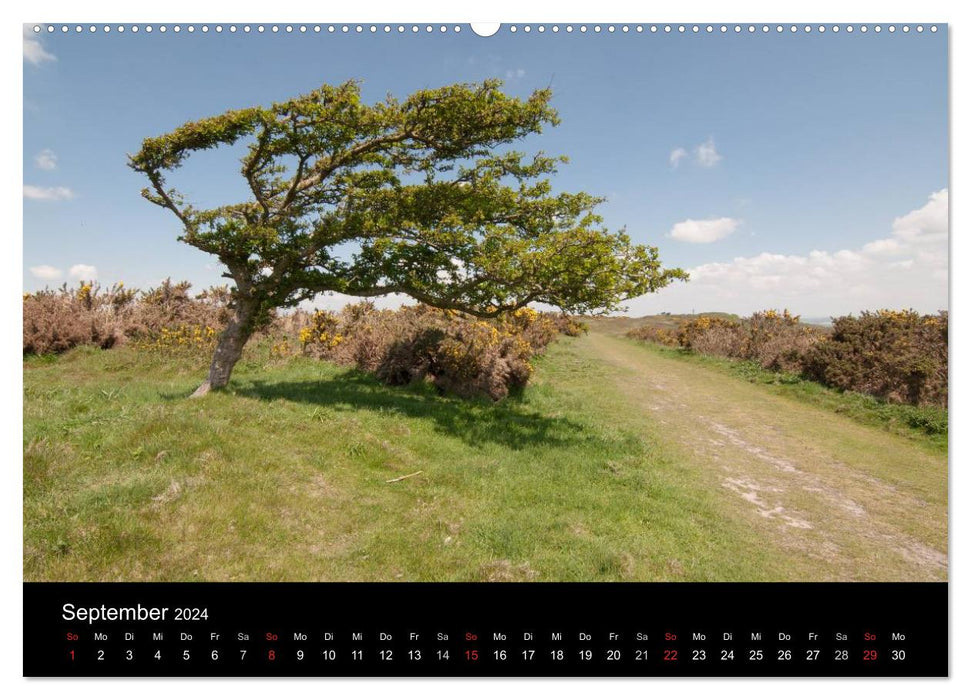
<point>900,356</point>
<point>454,351</point>
<point>457,353</point>
<point>60,319</point>
<point>374,449</point>
<point>125,479</point>
<point>896,356</point>
<point>923,425</point>
<point>338,476</point>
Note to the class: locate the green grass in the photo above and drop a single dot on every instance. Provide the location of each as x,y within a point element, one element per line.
<point>285,477</point>
<point>594,473</point>
<point>925,425</point>
<point>872,505</point>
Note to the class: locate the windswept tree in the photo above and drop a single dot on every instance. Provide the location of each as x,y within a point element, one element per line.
<point>413,197</point>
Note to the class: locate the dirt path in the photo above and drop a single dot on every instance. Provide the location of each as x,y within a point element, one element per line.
<point>865,504</point>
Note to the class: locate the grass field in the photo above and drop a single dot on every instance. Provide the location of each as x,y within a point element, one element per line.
<point>592,474</point>
<point>926,426</point>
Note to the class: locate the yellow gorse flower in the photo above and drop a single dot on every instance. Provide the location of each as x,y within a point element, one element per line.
<point>181,338</point>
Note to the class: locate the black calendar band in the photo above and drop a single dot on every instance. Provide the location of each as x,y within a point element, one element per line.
<point>486,629</point>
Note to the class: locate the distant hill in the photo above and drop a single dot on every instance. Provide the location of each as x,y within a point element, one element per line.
<point>619,325</point>
<point>622,324</point>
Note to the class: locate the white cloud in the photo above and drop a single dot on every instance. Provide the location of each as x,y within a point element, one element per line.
<point>34,51</point>
<point>47,193</point>
<point>46,159</point>
<point>703,230</point>
<point>908,269</point>
<point>83,272</point>
<point>517,73</point>
<point>929,223</point>
<point>772,272</point>
<point>706,154</point>
<point>883,246</point>
<point>45,272</point>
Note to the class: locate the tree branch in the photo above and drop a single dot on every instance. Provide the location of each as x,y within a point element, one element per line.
<point>251,167</point>
<point>166,201</point>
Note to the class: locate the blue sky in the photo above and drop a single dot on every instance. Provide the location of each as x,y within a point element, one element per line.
<point>805,171</point>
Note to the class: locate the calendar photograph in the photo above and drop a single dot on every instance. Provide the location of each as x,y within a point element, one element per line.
<point>535,303</point>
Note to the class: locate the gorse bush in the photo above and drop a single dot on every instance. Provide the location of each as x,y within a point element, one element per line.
<point>778,341</point>
<point>57,320</point>
<point>711,335</point>
<point>898,356</point>
<point>458,353</point>
<point>775,340</point>
<point>567,325</point>
<point>180,339</point>
<point>661,336</point>
<point>171,307</point>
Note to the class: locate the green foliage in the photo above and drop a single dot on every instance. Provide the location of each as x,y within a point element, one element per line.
<point>434,210</point>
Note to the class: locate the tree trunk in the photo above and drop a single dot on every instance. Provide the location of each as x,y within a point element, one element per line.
<point>229,348</point>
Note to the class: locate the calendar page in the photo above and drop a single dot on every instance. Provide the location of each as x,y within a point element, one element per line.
<point>438,349</point>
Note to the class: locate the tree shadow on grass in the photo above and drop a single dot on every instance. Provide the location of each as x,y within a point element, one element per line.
<point>508,423</point>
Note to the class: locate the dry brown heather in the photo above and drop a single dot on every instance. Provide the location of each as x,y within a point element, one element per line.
<point>898,356</point>
<point>458,353</point>
<point>57,320</point>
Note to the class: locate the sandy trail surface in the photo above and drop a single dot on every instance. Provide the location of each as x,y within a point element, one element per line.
<point>866,504</point>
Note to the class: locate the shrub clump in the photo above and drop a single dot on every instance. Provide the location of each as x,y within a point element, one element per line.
<point>779,341</point>
<point>655,334</point>
<point>898,356</point>
<point>712,335</point>
<point>57,320</point>
<point>775,340</point>
<point>458,353</point>
<point>164,317</point>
